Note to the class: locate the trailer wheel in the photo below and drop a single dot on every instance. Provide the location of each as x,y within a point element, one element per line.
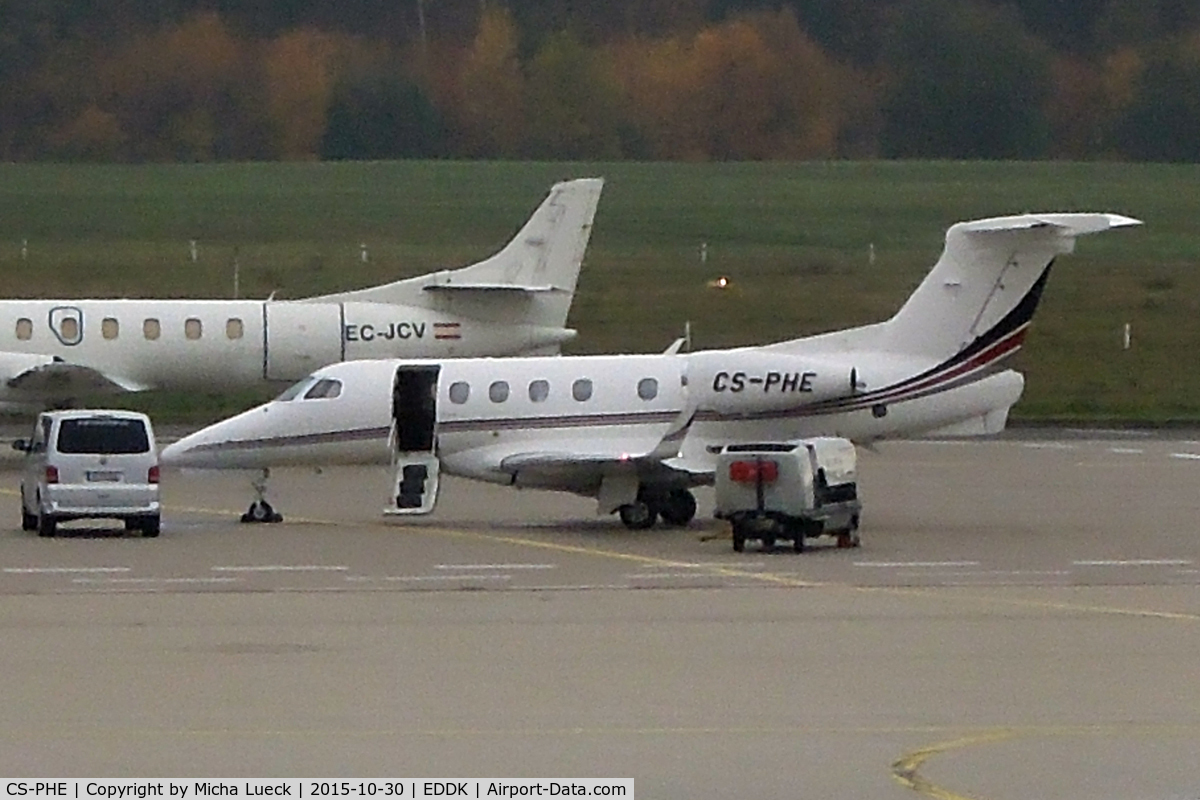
<point>768,540</point>
<point>798,542</point>
<point>739,540</point>
<point>848,539</point>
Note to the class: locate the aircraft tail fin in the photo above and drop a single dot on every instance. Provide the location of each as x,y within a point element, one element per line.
<point>982,293</point>
<point>530,281</point>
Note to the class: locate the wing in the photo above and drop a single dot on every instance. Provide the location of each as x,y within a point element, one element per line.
<point>37,378</point>
<point>582,465</point>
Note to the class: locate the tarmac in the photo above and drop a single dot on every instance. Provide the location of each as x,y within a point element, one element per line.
<point>1021,620</point>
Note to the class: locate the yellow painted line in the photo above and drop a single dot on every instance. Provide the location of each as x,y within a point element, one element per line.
<point>904,769</point>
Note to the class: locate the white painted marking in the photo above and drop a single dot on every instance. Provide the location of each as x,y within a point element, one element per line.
<point>652,576</point>
<point>61,570</point>
<point>1192,456</point>
<point>1124,450</point>
<point>154,580</point>
<point>1135,562</point>
<point>495,566</point>
<point>284,568</point>
<point>404,578</point>
<point>1048,445</point>
<point>916,563</point>
<point>1092,432</point>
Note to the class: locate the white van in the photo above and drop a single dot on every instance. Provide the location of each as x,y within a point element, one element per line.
<point>84,464</point>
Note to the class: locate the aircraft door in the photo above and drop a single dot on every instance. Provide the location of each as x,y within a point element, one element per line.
<point>414,439</point>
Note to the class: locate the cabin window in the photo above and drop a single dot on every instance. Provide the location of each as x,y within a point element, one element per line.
<point>192,328</point>
<point>234,328</point>
<point>151,329</point>
<point>648,388</point>
<point>110,328</point>
<point>24,329</point>
<point>498,391</point>
<point>70,330</point>
<point>324,389</point>
<point>459,392</point>
<point>539,390</point>
<point>581,389</point>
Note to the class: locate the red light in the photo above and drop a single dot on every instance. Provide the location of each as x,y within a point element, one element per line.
<point>752,471</point>
<point>51,474</point>
<point>152,474</point>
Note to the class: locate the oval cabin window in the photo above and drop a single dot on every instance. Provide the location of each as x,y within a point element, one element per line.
<point>459,392</point>
<point>581,389</point>
<point>539,390</point>
<point>647,388</point>
<point>151,329</point>
<point>192,328</point>
<point>110,328</point>
<point>24,329</point>
<point>234,328</point>
<point>498,391</point>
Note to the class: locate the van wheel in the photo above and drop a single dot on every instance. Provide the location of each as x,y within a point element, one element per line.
<point>47,525</point>
<point>798,542</point>
<point>151,526</point>
<point>261,511</point>
<point>768,542</point>
<point>29,522</point>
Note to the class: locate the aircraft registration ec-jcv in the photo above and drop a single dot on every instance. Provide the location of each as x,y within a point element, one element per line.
<point>637,432</point>
<point>516,301</point>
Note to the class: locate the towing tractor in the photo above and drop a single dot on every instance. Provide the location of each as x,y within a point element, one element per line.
<point>793,490</point>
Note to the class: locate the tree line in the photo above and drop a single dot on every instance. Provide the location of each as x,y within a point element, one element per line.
<point>208,80</point>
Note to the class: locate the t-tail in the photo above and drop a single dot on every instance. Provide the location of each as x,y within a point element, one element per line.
<point>978,300</point>
<point>529,282</point>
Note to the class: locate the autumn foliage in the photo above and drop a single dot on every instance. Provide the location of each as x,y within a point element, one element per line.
<point>695,80</point>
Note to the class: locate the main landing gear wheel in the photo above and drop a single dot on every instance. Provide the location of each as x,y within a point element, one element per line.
<point>678,508</point>
<point>260,510</point>
<point>637,516</point>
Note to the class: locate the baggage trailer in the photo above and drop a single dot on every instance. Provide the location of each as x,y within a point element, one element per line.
<point>794,490</point>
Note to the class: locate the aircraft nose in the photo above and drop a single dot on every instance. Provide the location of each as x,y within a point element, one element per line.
<point>184,453</point>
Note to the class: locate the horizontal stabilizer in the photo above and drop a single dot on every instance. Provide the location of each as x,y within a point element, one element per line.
<point>1067,224</point>
<point>485,287</point>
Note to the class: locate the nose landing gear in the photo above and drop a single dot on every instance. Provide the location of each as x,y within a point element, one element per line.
<point>260,510</point>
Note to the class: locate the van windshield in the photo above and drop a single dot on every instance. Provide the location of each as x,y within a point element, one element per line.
<point>103,436</point>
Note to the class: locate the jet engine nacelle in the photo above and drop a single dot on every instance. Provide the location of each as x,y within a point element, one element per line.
<point>733,382</point>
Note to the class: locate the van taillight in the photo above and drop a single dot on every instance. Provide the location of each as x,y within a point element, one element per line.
<point>152,474</point>
<point>752,471</point>
<point>51,474</point>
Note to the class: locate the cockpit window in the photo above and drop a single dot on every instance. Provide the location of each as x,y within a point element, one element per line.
<point>324,389</point>
<point>293,391</point>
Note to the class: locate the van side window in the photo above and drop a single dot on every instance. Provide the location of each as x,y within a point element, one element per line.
<point>459,392</point>
<point>539,390</point>
<point>24,329</point>
<point>110,328</point>
<point>498,391</point>
<point>234,328</point>
<point>581,389</point>
<point>192,328</point>
<point>151,329</point>
<point>647,388</point>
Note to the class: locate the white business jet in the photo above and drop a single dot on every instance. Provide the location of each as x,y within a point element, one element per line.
<point>53,351</point>
<point>639,431</point>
